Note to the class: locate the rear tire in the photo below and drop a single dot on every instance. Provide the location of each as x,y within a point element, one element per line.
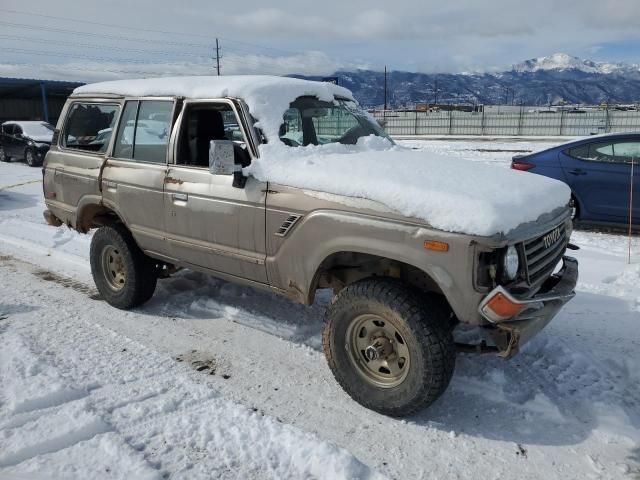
<point>3,156</point>
<point>390,350</point>
<point>123,274</point>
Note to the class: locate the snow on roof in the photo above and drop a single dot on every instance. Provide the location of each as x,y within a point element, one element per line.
<point>268,97</point>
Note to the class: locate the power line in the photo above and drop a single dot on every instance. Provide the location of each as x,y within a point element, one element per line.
<point>80,56</point>
<point>101,35</point>
<point>95,46</point>
<point>138,29</point>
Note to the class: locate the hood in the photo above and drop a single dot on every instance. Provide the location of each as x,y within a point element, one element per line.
<point>446,193</point>
<point>40,138</point>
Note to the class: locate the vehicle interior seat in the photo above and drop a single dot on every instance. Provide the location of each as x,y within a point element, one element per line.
<point>209,125</point>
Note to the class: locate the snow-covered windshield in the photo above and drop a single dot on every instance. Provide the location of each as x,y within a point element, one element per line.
<point>36,129</point>
<point>310,121</point>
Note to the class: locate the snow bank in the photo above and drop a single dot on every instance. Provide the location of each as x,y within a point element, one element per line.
<point>448,193</point>
<point>267,97</point>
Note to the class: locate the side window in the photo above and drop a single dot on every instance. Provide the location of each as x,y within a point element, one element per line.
<point>89,126</point>
<point>144,130</point>
<point>581,152</point>
<point>17,130</point>
<point>626,152</point>
<point>601,152</point>
<point>595,152</point>
<point>202,123</point>
<point>8,129</point>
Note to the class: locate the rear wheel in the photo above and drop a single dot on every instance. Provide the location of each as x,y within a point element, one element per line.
<point>123,274</point>
<point>3,155</point>
<point>390,350</point>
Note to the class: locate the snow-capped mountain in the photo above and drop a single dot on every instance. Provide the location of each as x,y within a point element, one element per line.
<point>539,81</point>
<point>563,61</point>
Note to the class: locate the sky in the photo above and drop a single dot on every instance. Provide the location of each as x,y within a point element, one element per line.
<point>94,40</point>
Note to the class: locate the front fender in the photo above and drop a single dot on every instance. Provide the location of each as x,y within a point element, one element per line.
<point>292,266</point>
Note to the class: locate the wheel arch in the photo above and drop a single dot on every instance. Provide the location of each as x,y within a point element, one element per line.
<point>342,268</point>
<point>93,213</point>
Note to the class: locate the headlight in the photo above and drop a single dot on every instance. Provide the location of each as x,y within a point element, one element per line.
<point>511,263</point>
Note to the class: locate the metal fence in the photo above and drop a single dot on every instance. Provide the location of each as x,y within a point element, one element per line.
<point>560,123</point>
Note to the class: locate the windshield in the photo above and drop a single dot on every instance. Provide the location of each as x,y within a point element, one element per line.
<point>310,121</point>
<point>37,129</point>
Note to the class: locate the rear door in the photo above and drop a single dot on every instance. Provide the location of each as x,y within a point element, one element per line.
<point>133,176</point>
<point>209,222</point>
<point>600,175</point>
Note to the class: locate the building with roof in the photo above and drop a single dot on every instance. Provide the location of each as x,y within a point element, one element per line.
<point>33,99</point>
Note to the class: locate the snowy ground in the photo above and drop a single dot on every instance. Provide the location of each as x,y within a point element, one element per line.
<point>211,380</point>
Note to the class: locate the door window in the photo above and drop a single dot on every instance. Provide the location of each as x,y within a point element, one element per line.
<point>144,130</point>
<point>17,130</point>
<point>626,152</point>
<point>610,152</point>
<point>89,126</point>
<point>202,123</point>
<point>8,129</point>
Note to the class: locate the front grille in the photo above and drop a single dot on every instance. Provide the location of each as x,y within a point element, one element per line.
<point>543,253</point>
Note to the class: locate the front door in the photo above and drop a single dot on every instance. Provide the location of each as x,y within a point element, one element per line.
<point>209,222</point>
<point>133,176</point>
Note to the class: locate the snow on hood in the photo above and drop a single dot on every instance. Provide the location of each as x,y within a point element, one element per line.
<point>267,97</point>
<point>447,193</point>
<point>41,138</point>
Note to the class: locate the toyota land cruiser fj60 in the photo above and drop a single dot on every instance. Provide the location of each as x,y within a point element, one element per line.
<point>288,185</point>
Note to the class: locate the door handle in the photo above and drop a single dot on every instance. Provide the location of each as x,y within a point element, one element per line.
<point>577,171</point>
<point>111,186</point>
<point>180,197</point>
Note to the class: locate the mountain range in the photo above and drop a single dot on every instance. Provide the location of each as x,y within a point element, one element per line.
<point>550,80</point>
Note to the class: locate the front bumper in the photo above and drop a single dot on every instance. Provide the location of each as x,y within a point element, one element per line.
<point>534,313</point>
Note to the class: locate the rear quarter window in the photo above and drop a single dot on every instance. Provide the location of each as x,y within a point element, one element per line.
<point>89,126</point>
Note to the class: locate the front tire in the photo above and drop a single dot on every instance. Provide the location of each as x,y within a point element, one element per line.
<point>389,349</point>
<point>123,274</point>
<point>575,208</point>
<point>3,155</point>
<point>30,158</point>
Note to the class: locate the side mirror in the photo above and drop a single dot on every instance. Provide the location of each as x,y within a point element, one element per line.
<point>222,161</point>
<point>221,157</point>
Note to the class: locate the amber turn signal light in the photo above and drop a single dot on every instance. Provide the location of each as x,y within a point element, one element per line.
<point>502,307</point>
<point>437,246</point>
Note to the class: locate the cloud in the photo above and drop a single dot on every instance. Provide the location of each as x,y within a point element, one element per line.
<point>284,36</point>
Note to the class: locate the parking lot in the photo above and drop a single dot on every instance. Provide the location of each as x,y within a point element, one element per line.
<point>568,405</point>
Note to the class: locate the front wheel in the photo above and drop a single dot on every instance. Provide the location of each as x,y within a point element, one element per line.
<point>3,155</point>
<point>573,205</point>
<point>390,350</point>
<point>123,274</point>
<point>30,158</point>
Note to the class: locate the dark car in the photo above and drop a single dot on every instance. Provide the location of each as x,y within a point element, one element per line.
<point>603,172</point>
<point>28,141</point>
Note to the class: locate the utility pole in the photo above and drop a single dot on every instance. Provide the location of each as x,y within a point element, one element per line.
<point>218,57</point>
<point>385,87</point>
<point>435,99</point>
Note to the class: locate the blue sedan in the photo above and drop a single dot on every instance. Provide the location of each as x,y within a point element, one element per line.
<point>602,171</point>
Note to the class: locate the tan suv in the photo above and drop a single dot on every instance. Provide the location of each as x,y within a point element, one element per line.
<point>287,185</point>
